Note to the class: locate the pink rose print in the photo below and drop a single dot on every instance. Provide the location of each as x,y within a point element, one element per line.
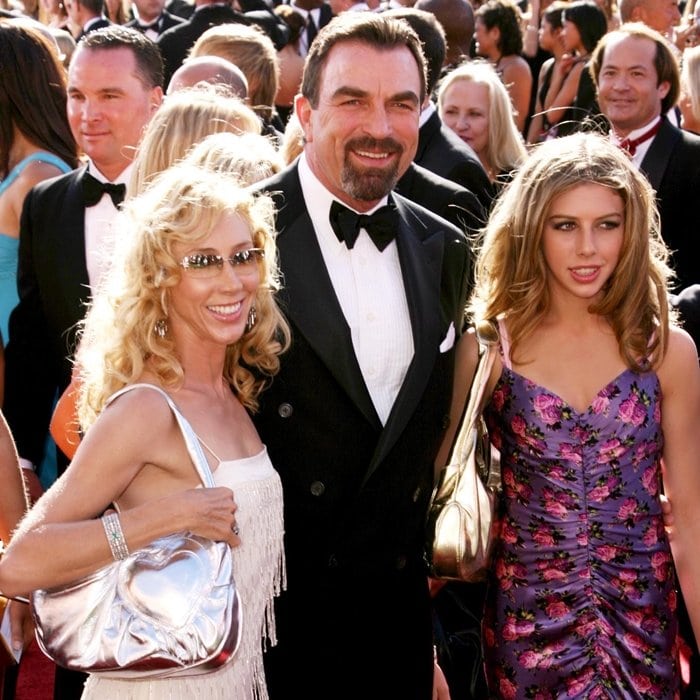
<point>610,450</point>
<point>641,683</point>
<point>650,480</point>
<point>600,404</point>
<point>548,408</point>
<point>570,453</point>
<point>557,609</point>
<point>543,536</point>
<point>518,425</point>
<point>606,552</point>
<point>632,411</point>
<point>507,689</point>
<point>528,659</point>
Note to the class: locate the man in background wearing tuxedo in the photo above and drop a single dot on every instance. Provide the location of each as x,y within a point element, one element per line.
<point>114,86</point>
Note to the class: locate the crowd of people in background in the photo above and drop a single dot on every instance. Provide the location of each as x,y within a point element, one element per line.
<point>448,113</point>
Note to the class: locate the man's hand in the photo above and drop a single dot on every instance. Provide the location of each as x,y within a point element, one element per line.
<point>668,516</point>
<point>441,690</point>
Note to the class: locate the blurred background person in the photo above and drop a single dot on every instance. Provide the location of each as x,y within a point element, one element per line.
<point>550,40</point>
<point>249,157</point>
<point>253,52</point>
<point>475,104</point>
<point>210,69</point>
<point>570,101</point>
<point>689,103</point>
<point>291,62</point>
<point>36,142</point>
<point>498,37</point>
<point>184,119</point>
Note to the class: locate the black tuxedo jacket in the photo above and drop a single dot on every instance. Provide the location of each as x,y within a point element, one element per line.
<point>176,43</point>
<point>165,21</point>
<point>356,492</point>
<point>53,289</point>
<point>442,197</point>
<point>101,24</point>
<point>672,165</point>
<point>444,153</point>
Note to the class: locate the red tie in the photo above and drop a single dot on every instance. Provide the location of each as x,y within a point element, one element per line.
<point>630,145</point>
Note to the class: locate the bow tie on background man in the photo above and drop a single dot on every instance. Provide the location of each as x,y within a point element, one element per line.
<point>630,145</point>
<point>93,189</point>
<point>381,226</point>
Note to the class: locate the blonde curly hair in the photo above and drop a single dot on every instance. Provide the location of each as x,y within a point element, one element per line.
<point>119,341</point>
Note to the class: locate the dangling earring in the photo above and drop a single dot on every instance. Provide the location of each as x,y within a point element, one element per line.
<point>161,327</point>
<point>252,318</point>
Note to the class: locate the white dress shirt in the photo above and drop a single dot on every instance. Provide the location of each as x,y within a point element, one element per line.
<point>369,287</point>
<point>100,228</point>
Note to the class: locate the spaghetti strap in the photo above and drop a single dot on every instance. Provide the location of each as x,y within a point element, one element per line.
<point>209,450</point>
<point>505,343</point>
<point>41,156</point>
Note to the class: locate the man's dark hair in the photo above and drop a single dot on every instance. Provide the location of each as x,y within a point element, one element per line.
<point>432,37</point>
<point>665,62</point>
<point>149,63</point>
<point>95,6</point>
<point>364,27</point>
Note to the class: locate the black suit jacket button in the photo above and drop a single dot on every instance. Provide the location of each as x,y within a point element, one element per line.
<point>285,410</point>
<point>416,494</point>
<point>445,422</point>
<point>333,562</point>
<point>400,562</point>
<point>318,488</point>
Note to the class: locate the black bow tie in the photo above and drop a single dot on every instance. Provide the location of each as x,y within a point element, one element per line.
<point>153,25</point>
<point>381,226</point>
<point>93,190</point>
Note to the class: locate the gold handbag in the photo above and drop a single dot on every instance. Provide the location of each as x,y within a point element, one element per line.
<point>461,515</point>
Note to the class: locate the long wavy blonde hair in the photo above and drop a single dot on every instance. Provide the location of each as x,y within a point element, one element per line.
<point>511,272</point>
<point>119,342</point>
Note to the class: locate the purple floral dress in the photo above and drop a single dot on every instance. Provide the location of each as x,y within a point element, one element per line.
<point>582,599</point>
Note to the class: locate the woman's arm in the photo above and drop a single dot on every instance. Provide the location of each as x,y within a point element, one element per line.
<point>679,375</point>
<point>13,498</point>
<point>134,452</point>
<point>534,132</point>
<point>563,89</point>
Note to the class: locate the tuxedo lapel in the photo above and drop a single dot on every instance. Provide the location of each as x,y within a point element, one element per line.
<point>73,268</point>
<point>309,300</point>
<point>659,154</point>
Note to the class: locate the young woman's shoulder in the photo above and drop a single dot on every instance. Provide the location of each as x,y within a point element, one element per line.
<point>680,360</point>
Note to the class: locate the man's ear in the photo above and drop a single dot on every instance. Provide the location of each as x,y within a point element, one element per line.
<point>303,110</point>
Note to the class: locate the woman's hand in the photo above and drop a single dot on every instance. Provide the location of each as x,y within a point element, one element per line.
<point>212,514</point>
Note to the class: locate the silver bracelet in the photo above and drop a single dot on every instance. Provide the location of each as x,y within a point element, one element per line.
<point>115,536</point>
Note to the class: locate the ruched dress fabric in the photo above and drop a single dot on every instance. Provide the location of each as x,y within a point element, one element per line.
<point>259,572</point>
<point>9,246</point>
<point>582,598</point>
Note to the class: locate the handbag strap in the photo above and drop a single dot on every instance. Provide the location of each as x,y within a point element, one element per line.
<point>487,338</point>
<point>191,440</point>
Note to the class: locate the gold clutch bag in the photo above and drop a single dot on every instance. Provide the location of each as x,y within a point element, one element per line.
<point>462,512</point>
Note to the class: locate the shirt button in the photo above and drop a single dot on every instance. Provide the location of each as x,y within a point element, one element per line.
<point>318,488</point>
<point>285,410</point>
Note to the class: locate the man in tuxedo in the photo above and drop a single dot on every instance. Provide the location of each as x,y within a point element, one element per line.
<point>152,19</point>
<point>374,290</point>
<point>175,43</point>
<point>85,16</point>
<point>317,13</point>
<point>638,82</point>
<point>114,86</point>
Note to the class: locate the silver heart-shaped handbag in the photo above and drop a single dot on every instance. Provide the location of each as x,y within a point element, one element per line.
<point>170,607</point>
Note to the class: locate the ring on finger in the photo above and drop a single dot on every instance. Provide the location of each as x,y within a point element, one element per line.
<point>236,530</point>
